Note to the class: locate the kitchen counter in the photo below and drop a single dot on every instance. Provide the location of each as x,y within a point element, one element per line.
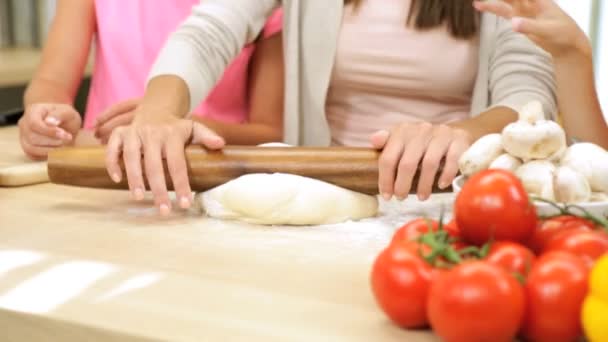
<point>17,66</point>
<point>80,264</point>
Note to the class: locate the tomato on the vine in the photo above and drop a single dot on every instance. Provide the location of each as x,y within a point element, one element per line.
<point>414,229</point>
<point>476,301</point>
<point>452,228</point>
<point>511,256</point>
<point>550,228</point>
<point>555,289</point>
<point>493,204</point>
<point>589,245</point>
<point>400,282</point>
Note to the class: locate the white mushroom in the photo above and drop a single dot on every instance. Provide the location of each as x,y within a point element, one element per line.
<point>570,186</point>
<point>480,155</point>
<point>591,161</point>
<point>533,137</point>
<point>506,162</point>
<point>537,178</point>
<point>598,197</point>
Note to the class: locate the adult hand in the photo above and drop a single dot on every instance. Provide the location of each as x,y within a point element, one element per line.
<point>46,126</point>
<point>155,138</point>
<point>119,114</point>
<point>411,144</point>
<point>543,21</point>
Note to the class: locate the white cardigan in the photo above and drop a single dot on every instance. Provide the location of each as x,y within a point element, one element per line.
<point>512,70</point>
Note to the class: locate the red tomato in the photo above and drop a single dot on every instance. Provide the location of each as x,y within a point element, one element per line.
<point>400,282</point>
<point>413,229</point>
<point>552,227</point>
<point>555,289</point>
<point>589,245</point>
<point>452,228</point>
<point>494,205</point>
<point>476,301</point>
<point>511,256</point>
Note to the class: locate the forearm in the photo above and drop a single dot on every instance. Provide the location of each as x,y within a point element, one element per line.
<point>42,90</point>
<point>244,134</point>
<point>165,96</point>
<point>580,109</point>
<point>490,121</point>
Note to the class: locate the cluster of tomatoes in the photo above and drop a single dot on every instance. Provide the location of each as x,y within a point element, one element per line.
<point>493,273</point>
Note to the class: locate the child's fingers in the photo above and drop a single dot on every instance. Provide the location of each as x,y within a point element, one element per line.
<point>104,130</point>
<point>115,110</point>
<point>379,139</point>
<point>39,140</point>
<point>206,137</point>
<point>39,125</point>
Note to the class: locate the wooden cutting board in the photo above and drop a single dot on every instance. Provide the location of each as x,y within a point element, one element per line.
<point>15,168</point>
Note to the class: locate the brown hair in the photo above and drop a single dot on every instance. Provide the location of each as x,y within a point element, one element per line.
<point>461,18</point>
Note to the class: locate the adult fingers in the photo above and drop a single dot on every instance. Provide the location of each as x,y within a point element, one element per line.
<point>113,154</point>
<point>155,174</point>
<point>410,159</point>
<point>499,8</point>
<point>178,170</point>
<point>450,168</point>
<point>435,151</point>
<point>388,161</point>
<point>538,28</point>
<point>132,156</point>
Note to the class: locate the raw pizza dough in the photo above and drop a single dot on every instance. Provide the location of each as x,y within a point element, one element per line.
<point>285,199</point>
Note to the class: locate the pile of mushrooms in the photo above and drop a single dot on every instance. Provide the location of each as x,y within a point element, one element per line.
<point>535,150</point>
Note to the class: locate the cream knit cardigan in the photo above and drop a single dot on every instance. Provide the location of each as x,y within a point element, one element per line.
<point>512,70</point>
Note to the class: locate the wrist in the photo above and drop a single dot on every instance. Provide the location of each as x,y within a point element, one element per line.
<point>580,51</point>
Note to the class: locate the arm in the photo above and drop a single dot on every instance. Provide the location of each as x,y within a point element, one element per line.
<point>199,51</point>
<point>65,54</point>
<point>520,72</point>
<point>265,99</point>
<point>50,120</point>
<point>187,68</point>
<point>490,121</point>
<point>547,25</point>
<point>580,109</point>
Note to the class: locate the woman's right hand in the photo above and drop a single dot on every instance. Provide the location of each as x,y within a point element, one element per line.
<point>46,126</point>
<point>155,138</point>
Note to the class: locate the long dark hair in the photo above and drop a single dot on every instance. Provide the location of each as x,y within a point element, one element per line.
<point>461,18</point>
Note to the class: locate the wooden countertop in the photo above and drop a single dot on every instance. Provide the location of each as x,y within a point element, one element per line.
<point>81,264</point>
<point>17,66</point>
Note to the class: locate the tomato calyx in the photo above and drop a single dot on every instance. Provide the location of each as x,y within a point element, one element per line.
<point>573,210</point>
<point>443,253</point>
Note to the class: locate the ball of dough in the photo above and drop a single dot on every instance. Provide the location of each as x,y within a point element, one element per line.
<point>285,199</point>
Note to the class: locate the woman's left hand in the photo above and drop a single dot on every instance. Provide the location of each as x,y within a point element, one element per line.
<point>411,144</point>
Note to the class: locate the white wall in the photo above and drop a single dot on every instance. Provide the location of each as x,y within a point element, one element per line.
<point>580,10</point>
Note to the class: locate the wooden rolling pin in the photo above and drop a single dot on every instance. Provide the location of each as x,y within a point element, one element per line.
<point>351,168</point>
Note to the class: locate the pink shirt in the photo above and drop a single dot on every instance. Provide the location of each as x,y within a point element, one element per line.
<point>130,34</point>
<point>386,73</point>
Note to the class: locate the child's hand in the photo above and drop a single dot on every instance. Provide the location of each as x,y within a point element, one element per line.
<point>44,127</point>
<point>120,114</point>
<point>411,144</point>
<point>544,22</point>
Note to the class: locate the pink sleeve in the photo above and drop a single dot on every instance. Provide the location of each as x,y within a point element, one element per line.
<point>274,24</point>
